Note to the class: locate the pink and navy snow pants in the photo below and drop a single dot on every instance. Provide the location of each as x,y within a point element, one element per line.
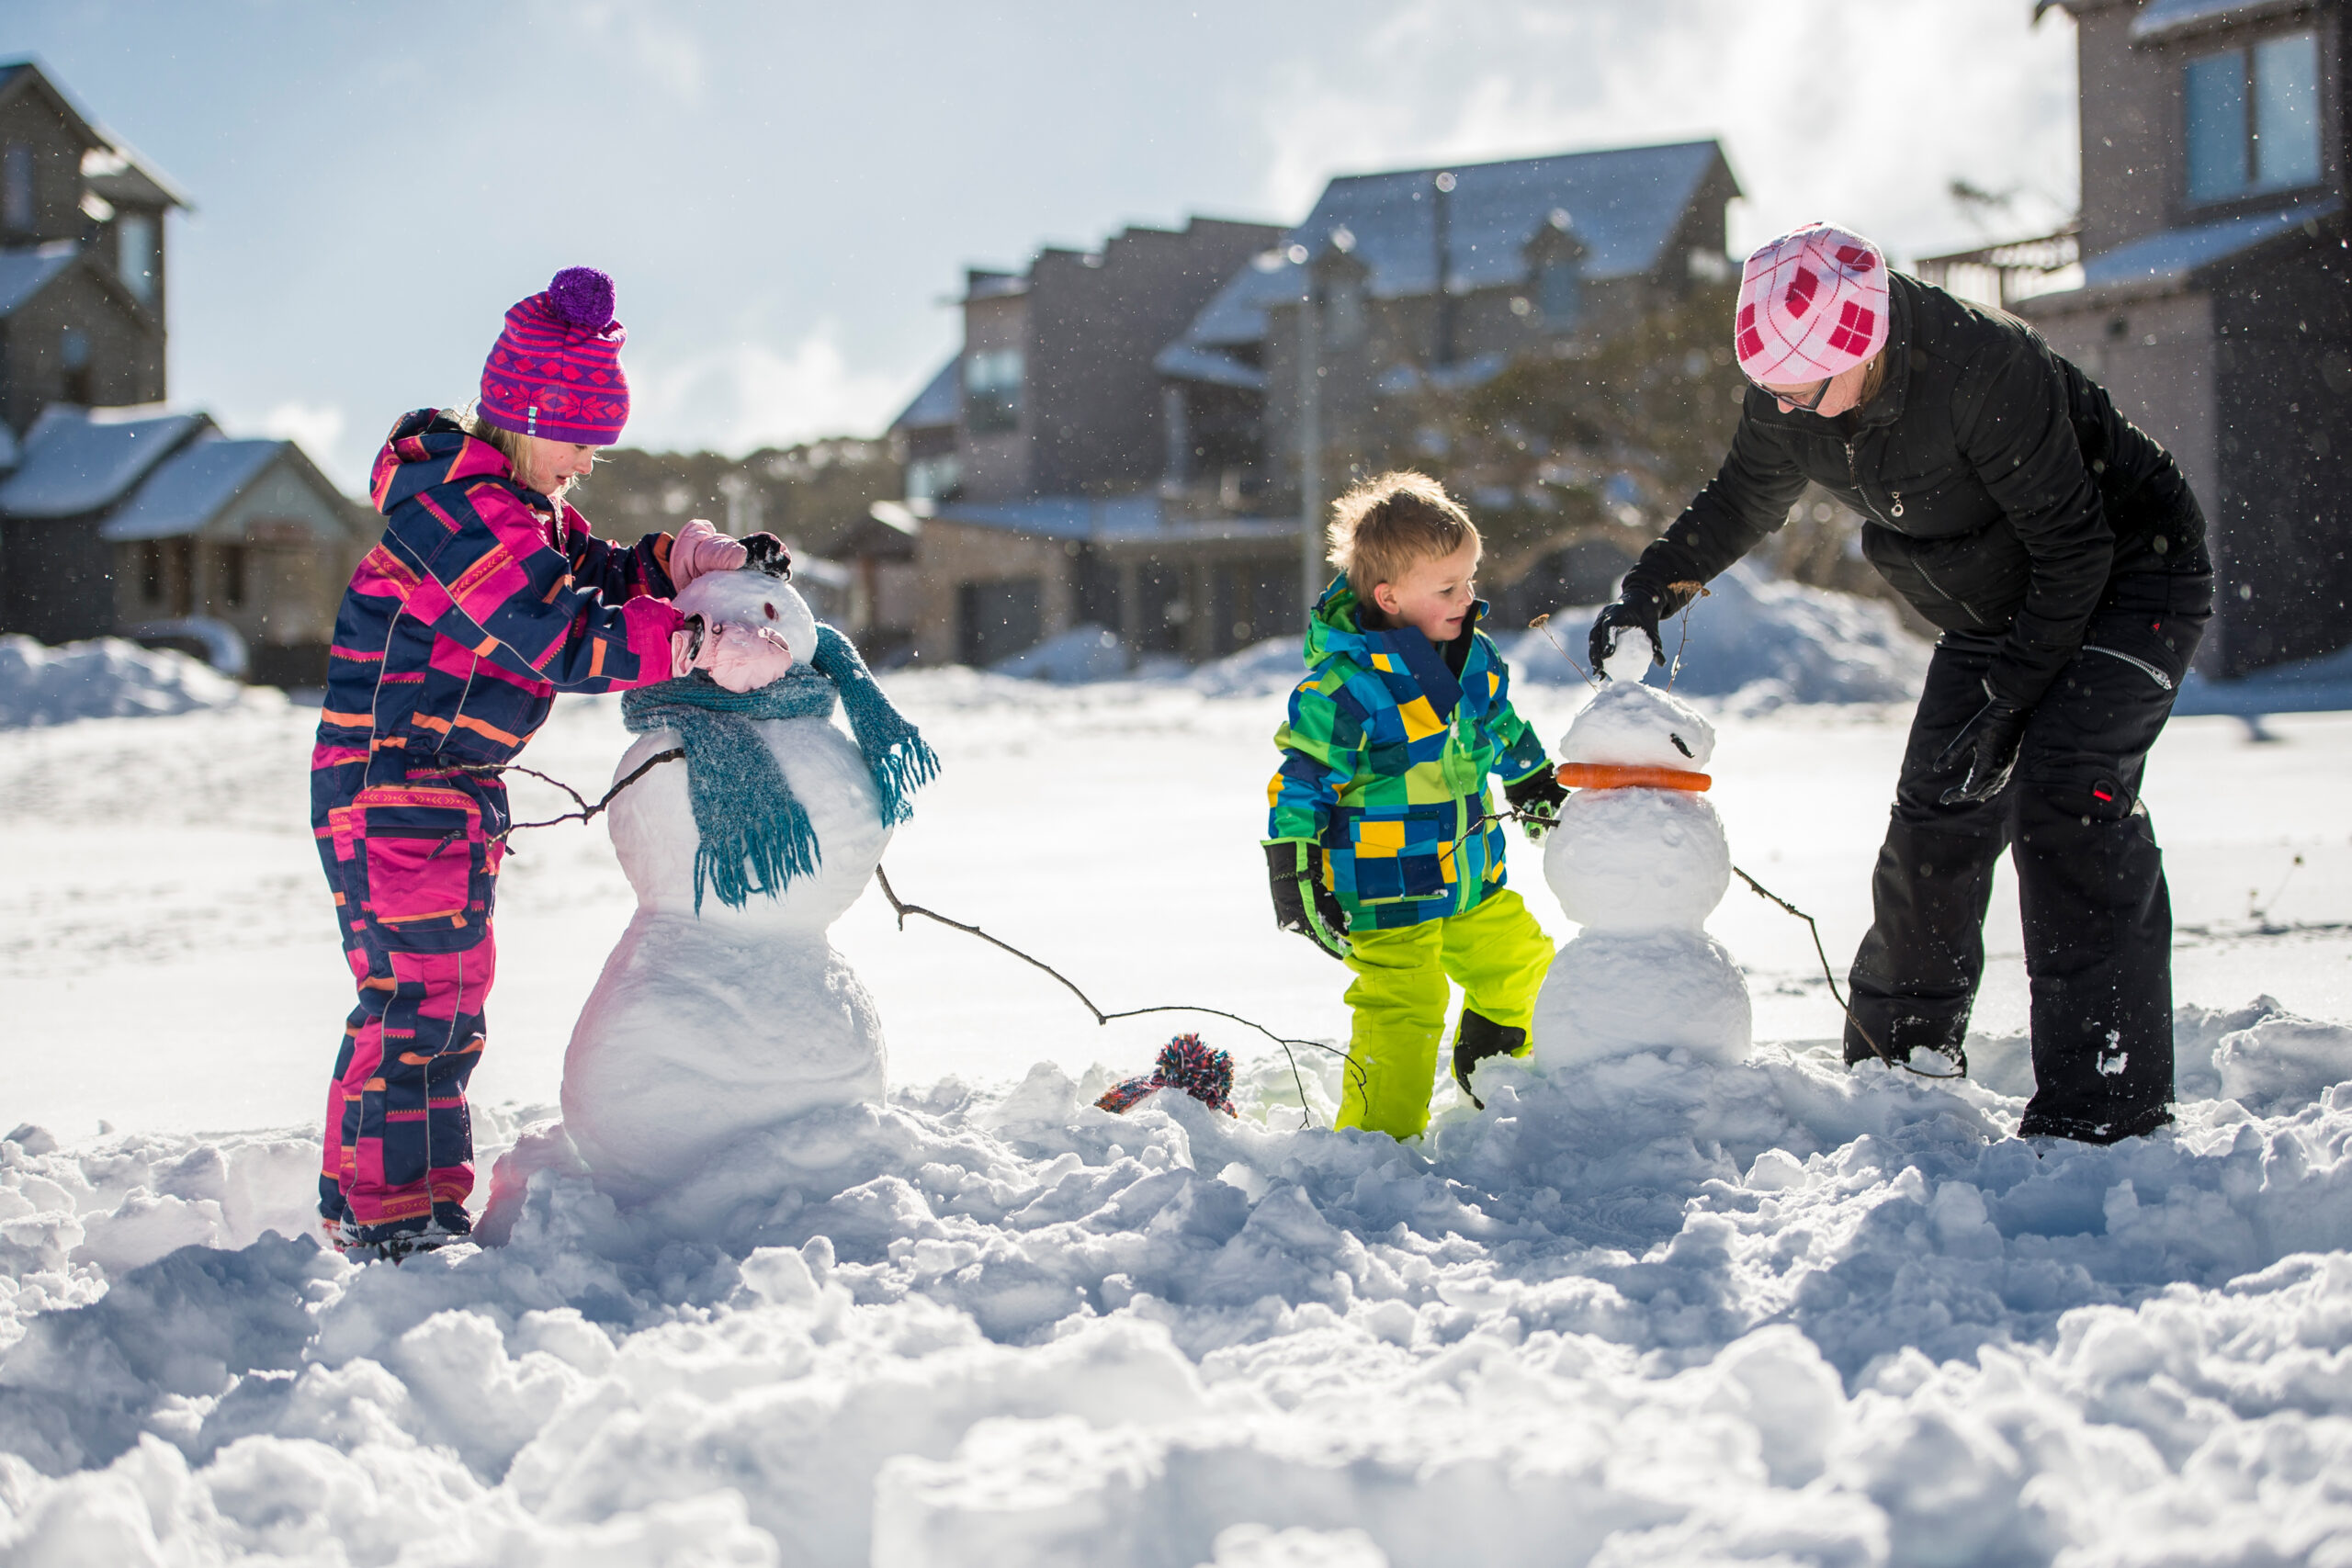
<point>414,869</point>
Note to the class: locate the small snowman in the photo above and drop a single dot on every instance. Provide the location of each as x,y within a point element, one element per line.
<point>1639,860</point>
<point>723,1009</point>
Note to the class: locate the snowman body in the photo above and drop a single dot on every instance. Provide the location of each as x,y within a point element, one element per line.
<point>1640,869</point>
<point>708,1025</point>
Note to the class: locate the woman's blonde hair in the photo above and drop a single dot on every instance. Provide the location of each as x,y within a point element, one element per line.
<point>1874,380</point>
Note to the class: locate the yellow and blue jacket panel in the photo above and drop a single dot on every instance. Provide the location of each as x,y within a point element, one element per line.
<point>1385,753</point>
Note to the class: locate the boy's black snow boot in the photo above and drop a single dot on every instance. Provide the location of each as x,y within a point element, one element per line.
<point>1479,1038</point>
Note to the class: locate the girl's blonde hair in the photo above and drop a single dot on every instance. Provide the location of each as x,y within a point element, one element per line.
<point>512,444</point>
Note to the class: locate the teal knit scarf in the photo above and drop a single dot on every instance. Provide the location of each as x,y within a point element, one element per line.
<point>755,837</point>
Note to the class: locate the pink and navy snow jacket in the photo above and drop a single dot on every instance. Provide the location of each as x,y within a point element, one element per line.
<point>479,604</point>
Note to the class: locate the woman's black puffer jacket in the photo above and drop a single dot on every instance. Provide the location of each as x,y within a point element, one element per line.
<point>2001,488</point>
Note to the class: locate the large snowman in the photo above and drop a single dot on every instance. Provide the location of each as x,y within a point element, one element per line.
<point>714,1019</point>
<point>1639,860</point>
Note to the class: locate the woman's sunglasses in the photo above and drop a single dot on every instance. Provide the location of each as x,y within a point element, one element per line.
<point>1808,402</point>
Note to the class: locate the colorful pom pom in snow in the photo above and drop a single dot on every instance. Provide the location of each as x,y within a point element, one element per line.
<point>1186,1064</point>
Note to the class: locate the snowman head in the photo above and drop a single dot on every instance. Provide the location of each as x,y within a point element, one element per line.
<point>1636,726</point>
<point>753,596</point>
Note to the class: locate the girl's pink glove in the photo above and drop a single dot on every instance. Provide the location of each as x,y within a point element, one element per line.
<point>742,658</point>
<point>700,547</point>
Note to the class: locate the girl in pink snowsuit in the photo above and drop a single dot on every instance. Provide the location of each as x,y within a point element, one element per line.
<point>486,596</point>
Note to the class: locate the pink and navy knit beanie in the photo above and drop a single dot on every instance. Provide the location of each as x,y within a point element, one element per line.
<point>1810,304</point>
<point>555,370</point>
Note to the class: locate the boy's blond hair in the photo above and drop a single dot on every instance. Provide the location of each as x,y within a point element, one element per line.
<point>1387,523</point>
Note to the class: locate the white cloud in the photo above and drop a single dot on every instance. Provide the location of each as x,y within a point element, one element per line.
<point>317,428</point>
<point>1828,108</point>
<point>749,394</point>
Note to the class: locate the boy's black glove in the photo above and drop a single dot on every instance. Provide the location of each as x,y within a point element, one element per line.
<point>1302,903</point>
<point>1987,747</point>
<point>1537,799</point>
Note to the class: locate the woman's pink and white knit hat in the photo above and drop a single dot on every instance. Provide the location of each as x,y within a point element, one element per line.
<point>1812,303</point>
<point>555,370</point>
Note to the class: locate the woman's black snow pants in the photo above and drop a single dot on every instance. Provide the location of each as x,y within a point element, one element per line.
<point>2090,878</point>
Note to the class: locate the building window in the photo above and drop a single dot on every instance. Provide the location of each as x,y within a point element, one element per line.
<point>233,568</point>
<point>934,479</point>
<point>2253,119</point>
<point>17,187</point>
<point>74,359</point>
<point>137,257</point>
<point>992,391</point>
<point>152,584</point>
<point>1343,314</point>
<point>1559,294</point>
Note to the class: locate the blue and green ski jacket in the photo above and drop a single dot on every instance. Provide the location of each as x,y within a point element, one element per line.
<point>1386,755</point>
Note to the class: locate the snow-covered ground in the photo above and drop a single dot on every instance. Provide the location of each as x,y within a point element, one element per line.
<point>1650,1310</point>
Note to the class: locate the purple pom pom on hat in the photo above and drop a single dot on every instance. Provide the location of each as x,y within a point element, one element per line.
<point>583,297</point>
<point>555,370</point>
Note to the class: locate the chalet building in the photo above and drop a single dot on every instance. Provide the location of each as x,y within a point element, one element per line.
<point>1428,279</point>
<point>2216,297</point>
<point>1117,441</point>
<point>1033,460</point>
<point>164,530</point>
<point>133,521</point>
<point>82,258</point>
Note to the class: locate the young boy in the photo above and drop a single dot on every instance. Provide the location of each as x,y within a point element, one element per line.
<point>1381,849</point>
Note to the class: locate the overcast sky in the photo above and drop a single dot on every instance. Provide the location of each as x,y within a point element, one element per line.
<point>785,192</point>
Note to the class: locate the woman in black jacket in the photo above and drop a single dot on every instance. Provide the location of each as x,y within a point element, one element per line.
<point>2060,551</point>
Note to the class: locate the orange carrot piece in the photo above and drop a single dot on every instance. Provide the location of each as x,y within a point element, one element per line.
<point>1615,775</point>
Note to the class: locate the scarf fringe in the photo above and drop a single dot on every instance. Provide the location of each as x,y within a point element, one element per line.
<point>895,751</point>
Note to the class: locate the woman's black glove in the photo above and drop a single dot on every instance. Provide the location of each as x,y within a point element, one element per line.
<point>1640,603</point>
<point>1302,903</point>
<point>1537,799</point>
<point>1987,747</point>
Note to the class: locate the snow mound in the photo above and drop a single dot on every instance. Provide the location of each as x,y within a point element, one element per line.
<point>1259,671</point>
<point>106,678</point>
<point>1760,642</point>
<point>1085,653</point>
<point>1645,1310</point>
<point>2307,685</point>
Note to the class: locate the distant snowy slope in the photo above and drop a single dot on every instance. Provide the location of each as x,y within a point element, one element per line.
<point>1758,641</point>
<point>1754,639</point>
<point>107,678</point>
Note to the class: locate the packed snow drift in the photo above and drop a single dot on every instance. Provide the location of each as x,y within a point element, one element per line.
<point>1649,1310</point>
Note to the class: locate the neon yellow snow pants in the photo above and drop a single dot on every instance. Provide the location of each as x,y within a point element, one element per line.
<point>1497,953</point>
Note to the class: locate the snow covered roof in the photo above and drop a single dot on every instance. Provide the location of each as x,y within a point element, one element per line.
<point>935,404</point>
<point>73,464</point>
<point>119,174</point>
<point>25,273</point>
<point>1624,204</point>
<point>2174,19</point>
<point>1183,362</point>
<point>2173,253</point>
<point>188,489</point>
